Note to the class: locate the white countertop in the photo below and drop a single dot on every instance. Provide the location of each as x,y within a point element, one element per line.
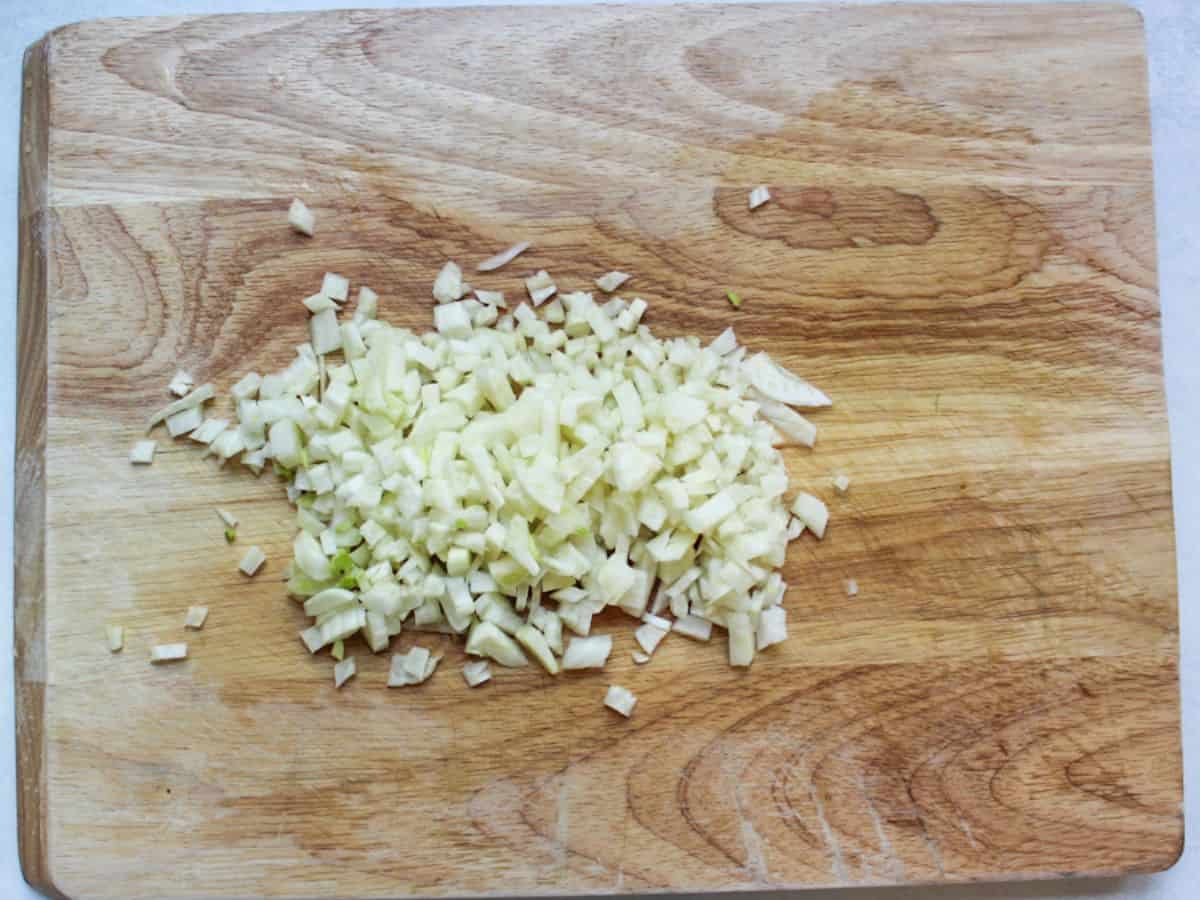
<point>1173,31</point>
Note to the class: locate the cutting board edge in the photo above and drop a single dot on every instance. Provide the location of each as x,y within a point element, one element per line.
<point>29,508</point>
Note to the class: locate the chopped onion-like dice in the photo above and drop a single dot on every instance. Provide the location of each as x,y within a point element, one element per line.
<point>344,671</point>
<point>196,398</point>
<point>448,286</point>
<point>161,653</point>
<point>693,627</point>
<point>301,218</point>
<point>759,196</point>
<point>611,281</point>
<point>227,517</point>
<point>116,637</point>
<point>252,561</point>
<point>196,616</point>
<point>587,652</point>
<point>851,588</point>
<point>620,699</point>
<point>142,453</point>
<point>335,286</point>
<point>476,672</point>
<point>541,287</point>
<point>841,483</point>
<point>812,512</point>
<point>180,384</point>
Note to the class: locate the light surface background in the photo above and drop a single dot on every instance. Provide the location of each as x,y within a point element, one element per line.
<point>1173,33</point>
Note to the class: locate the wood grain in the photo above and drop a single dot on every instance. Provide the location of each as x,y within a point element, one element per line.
<point>961,251</point>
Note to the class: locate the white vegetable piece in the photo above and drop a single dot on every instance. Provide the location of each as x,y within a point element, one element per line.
<point>344,671</point>
<point>367,306</point>
<point>611,281</point>
<point>541,287</point>
<point>324,331</point>
<point>794,428</point>
<point>252,561</point>
<point>184,422</point>
<point>209,430</point>
<point>247,387</point>
<point>620,699</point>
<point>301,218</point>
<point>181,384</point>
<point>161,653</point>
<point>448,286</point>
<point>142,453</point>
<point>851,588</point>
<point>197,397</point>
<point>759,196</point>
<point>453,320</point>
<point>476,672</point>
<point>780,385</point>
<point>640,658</point>
<point>772,627</point>
<point>196,616</point>
<point>503,258</point>
<point>116,637</point>
<point>812,512</point>
<point>535,642</point>
<point>318,302</point>
<point>491,298</point>
<point>649,637</point>
<point>336,287</point>
<point>841,483</point>
<point>693,627</point>
<point>741,639</point>
<point>486,639</point>
<point>587,652</point>
<point>724,343</point>
<point>414,667</point>
<point>227,517</point>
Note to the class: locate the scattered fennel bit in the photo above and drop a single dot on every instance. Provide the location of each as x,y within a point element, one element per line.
<point>301,218</point>
<point>476,672</point>
<point>759,196</point>
<point>735,300</point>
<point>812,512</point>
<point>230,535</point>
<point>227,517</point>
<point>161,653</point>
<point>620,699</point>
<point>841,483</point>
<point>196,616</point>
<point>611,281</point>
<point>851,588</point>
<point>344,671</point>
<point>252,561</point>
<point>116,637</point>
<point>142,453</point>
<point>503,258</point>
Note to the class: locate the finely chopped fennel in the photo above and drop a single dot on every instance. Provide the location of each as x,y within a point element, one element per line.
<point>506,477</point>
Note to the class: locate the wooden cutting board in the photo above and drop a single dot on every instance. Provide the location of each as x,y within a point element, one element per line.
<point>960,250</point>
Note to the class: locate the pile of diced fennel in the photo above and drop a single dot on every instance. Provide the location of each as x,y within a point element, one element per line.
<point>509,475</point>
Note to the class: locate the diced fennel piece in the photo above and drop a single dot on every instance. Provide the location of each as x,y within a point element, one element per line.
<point>725,343</point>
<point>367,306</point>
<point>780,385</point>
<point>252,561</point>
<point>759,196</point>
<point>181,383</point>
<point>812,512</point>
<point>325,333</point>
<point>301,218</point>
<point>851,587</point>
<point>611,281</point>
<point>535,642</point>
<point>620,700</point>
<point>448,286</point>
<point>693,627</point>
<point>741,639</point>
<point>793,427</point>
<point>196,617</point>
<point>344,671</point>
<point>541,287</point>
<point>503,258</point>
<point>649,637</point>
<point>196,398</point>
<point>453,320</point>
<point>319,303</point>
<point>486,639</point>
<point>116,637</point>
<point>772,627</point>
<point>161,653</point>
<point>841,483</point>
<point>640,658</point>
<point>476,672</point>
<point>227,517</point>
<point>335,286</point>
<point>587,652</point>
<point>413,667</point>
<point>185,421</point>
<point>142,453</point>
